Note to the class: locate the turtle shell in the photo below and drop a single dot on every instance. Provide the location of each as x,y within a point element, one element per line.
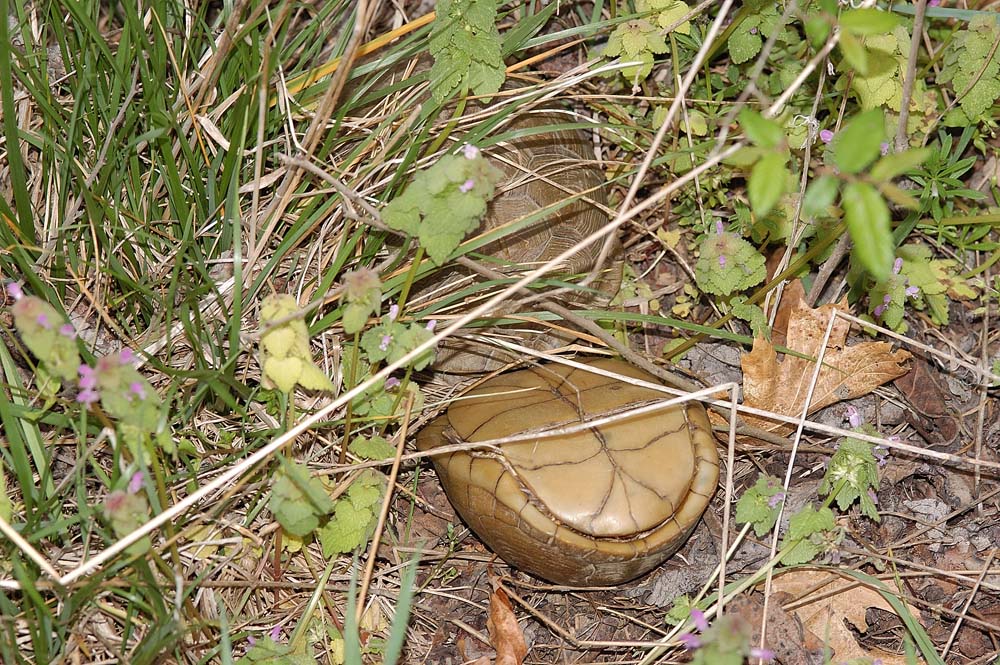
<point>595,507</point>
<point>545,168</point>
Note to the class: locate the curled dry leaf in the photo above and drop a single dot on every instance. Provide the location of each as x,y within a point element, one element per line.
<point>848,372</point>
<point>505,635</point>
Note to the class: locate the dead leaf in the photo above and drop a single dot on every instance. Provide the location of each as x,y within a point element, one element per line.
<point>505,635</point>
<point>837,600</point>
<point>791,643</point>
<point>848,372</point>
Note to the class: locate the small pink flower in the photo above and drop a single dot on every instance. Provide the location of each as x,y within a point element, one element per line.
<point>853,416</point>
<point>14,290</point>
<point>88,381</point>
<point>700,622</point>
<point>762,654</point>
<point>884,148</point>
<point>776,499</point>
<point>912,291</point>
<point>719,228</point>
<point>722,260</point>
<point>897,265</point>
<point>386,341</point>
<point>275,633</point>
<point>690,641</point>
<point>467,186</point>
<point>470,151</point>
<point>137,389</point>
<point>67,330</point>
<point>391,382</point>
<point>87,397</point>
<point>431,324</point>
<point>43,320</point>
<point>825,135</point>
<point>135,482</point>
<point>126,356</point>
<point>393,311</point>
<point>873,496</point>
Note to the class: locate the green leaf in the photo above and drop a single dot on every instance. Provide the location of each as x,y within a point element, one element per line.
<point>298,499</point>
<point>854,53</point>
<point>859,143</point>
<point>763,132</point>
<point>852,473</point>
<point>767,183</point>
<point>803,551</point>
<point>868,21</point>
<point>465,44</point>
<point>444,202</point>
<point>896,164</point>
<point>755,506</point>
<point>728,264</point>
<point>805,529</point>
<point>285,356</point>
<point>375,448</point>
<point>867,218</point>
<point>744,44</point>
<point>820,195</point>
<point>48,335</point>
<point>349,528</point>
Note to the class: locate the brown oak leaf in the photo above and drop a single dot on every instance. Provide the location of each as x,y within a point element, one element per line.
<point>848,372</point>
<point>828,602</point>
<point>505,635</point>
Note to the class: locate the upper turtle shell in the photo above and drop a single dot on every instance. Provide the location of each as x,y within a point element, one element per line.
<point>593,507</point>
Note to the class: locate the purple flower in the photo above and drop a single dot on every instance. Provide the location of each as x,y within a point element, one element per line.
<point>700,622</point>
<point>897,265</point>
<point>43,320</point>
<point>775,500</point>
<point>126,356</point>
<point>884,148</point>
<point>853,416</point>
<point>88,381</point>
<point>931,3</point>
<point>386,341</point>
<point>912,291</point>
<point>719,228</point>
<point>391,383</point>
<point>722,260</point>
<point>881,454</point>
<point>752,31</point>
<point>470,151</point>
<point>137,389</point>
<point>275,633</point>
<point>393,311</point>
<point>135,482</point>
<point>14,290</point>
<point>825,135</point>
<point>690,641</point>
<point>467,186</point>
<point>87,396</point>
<point>67,330</point>
<point>878,311</point>
<point>873,496</point>
<point>762,654</point>
<point>431,324</point>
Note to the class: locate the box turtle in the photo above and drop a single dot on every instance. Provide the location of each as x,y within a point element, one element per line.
<point>596,507</point>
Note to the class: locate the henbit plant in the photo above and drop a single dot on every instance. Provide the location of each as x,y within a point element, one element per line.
<point>170,208</point>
